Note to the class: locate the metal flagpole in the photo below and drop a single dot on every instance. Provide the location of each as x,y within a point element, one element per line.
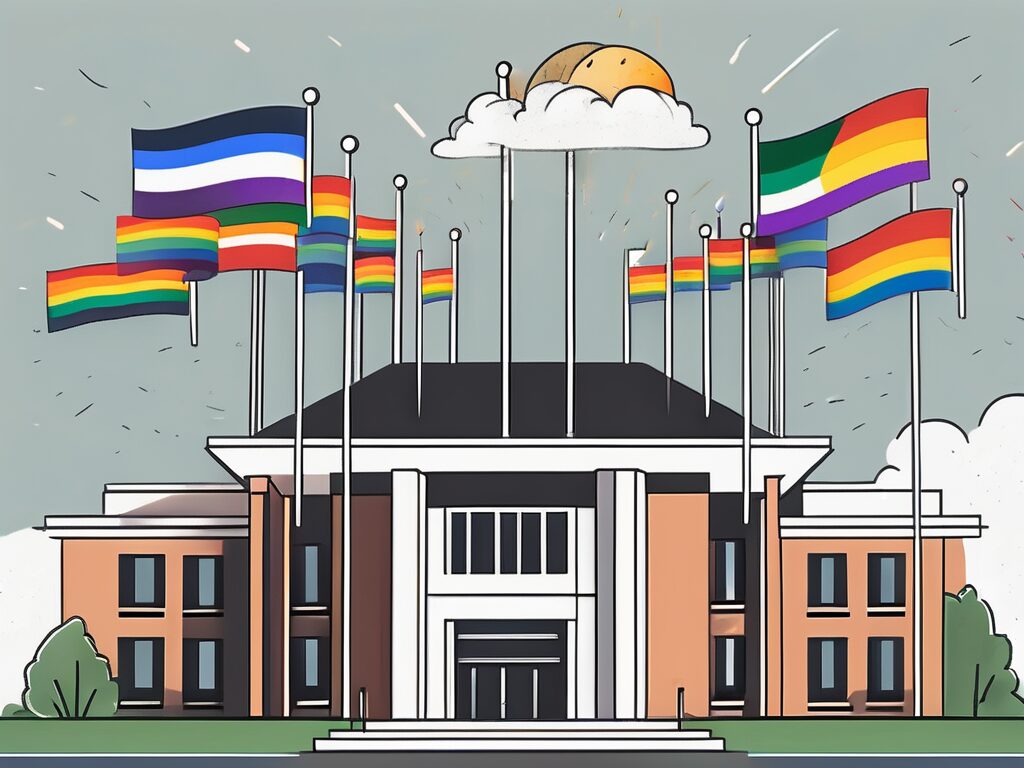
<point>261,339</point>
<point>349,145</point>
<point>357,323</point>
<point>780,350</point>
<point>570,293</point>
<point>626,346</point>
<point>753,118</point>
<point>960,271</point>
<point>705,235</point>
<point>671,196</point>
<point>746,231</point>
<point>772,354</point>
<point>503,70</point>
<point>915,471</point>
<point>253,356</point>
<point>453,306</point>
<point>419,330</point>
<point>193,312</point>
<point>396,299</point>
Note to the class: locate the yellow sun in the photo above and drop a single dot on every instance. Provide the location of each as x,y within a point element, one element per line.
<point>605,69</point>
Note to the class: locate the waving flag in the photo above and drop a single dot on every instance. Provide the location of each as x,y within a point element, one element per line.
<point>437,285</point>
<point>688,275</point>
<point>375,255</point>
<point>240,167</point>
<point>260,245</point>
<point>911,253</point>
<point>323,247</point>
<point>96,292</point>
<point>726,259</point>
<point>646,283</point>
<point>809,177</point>
<point>188,244</point>
<point>803,247</point>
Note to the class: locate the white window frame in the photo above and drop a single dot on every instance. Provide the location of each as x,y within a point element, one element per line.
<point>497,512</point>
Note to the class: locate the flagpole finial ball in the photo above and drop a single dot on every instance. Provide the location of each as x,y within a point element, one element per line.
<point>504,69</point>
<point>311,96</point>
<point>746,229</point>
<point>455,234</point>
<point>400,181</point>
<point>705,230</point>
<point>753,116</point>
<point>349,144</point>
<point>671,197</point>
<point>960,186</point>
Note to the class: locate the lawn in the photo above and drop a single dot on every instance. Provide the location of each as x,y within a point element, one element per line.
<point>932,736</point>
<point>162,736</point>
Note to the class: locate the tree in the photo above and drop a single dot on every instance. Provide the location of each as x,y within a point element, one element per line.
<point>68,678</point>
<point>976,675</point>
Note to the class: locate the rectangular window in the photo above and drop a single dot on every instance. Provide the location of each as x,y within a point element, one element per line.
<point>141,581</point>
<point>481,555</point>
<point>729,571</point>
<point>311,577</point>
<point>826,670</point>
<point>310,671</point>
<point>458,542</point>
<point>887,580</point>
<point>885,669</point>
<point>140,677</point>
<point>509,542</point>
<point>202,672</point>
<point>557,542</point>
<point>203,585</point>
<point>729,669</point>
<point>530,555</point>
<point>826,581</point>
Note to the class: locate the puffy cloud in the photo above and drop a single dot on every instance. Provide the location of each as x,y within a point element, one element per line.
<point>559,117</point>
<point>980,472</point>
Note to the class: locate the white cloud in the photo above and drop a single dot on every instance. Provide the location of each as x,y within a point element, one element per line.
<point>559,117</point>
<point>29,603</point>
<point>981,473</point>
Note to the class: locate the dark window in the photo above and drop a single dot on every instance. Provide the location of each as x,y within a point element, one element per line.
<point>729,668</point>
<point>530,559</point>
<point>140,670</point>
<point>458,539</point>
<point>558,542</point>
<point>481,553</point>
<point>826,581</point>
<point>885,669</point>
<point>310,670</point>
<point>729,571</point>
<point>887,580</point>
<point>141,581</point>
<point>509,544</point>
<point>826,669</point>
<point>203,583</point>
<point>311,576</point>
<point>202,671</point>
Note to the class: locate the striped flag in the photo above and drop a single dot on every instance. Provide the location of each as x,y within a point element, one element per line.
<point>188,244</point>
<point>726,259</point>
<point>688,275</point>
<point>322,247</point>
<point>803,247</point>
<point>437,285</point>
<point>646,283</point>
<point>374,265</point>
<point>259,245</point>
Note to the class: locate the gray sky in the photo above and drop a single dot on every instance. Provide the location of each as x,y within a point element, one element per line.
<point>165,64</point>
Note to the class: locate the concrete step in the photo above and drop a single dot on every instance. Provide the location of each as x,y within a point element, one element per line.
<point>525,725</point>
<point>503,733</point>
<point>536,743</point>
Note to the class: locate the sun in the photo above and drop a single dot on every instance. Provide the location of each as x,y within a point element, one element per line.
<point>605,69</point>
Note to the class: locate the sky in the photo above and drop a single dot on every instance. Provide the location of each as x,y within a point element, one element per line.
<point>131,401</point>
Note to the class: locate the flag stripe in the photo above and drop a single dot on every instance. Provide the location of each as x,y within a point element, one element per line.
<point>232,146</point>
<point>264,165</point>
<point>294,213</point>
<point>928,223</point>
<point>228,194</point>
<point>940,280</point>
<point>255,120</point>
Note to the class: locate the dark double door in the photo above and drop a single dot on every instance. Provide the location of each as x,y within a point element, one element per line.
<point>510,670</point>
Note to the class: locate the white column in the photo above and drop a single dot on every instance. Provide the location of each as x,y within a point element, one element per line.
<point>408,593</point>
<point>630,624</point>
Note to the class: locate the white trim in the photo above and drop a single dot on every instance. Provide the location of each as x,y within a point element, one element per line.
<point>508,636</point>
<point>509,660</point>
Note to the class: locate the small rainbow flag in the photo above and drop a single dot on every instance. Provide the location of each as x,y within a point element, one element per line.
<point>375,237</point>
<point>331,200</point>
<point>95,292</point>
<point>375,274</point>
<point>188,244</point>
<point>322,247</point>
<point>646,283</point>
<point>726,259</point>
<point>688,275</point>
<point>260,245</point>
<point>911,253</point>
<point>438,285</point>
<point>803,247</point>
<point>878,147</point>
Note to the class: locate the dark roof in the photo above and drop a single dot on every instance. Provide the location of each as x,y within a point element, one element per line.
<point>464,400</point>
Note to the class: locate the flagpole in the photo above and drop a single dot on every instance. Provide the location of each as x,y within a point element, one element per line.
<point>780,350</point>
<point>419,331</point>
<point>453,306</point>
<point>193,312</point>
<point>626,335</point>
<point>570,293</point>
<point>400,183</point>
<point>349,145</point>
<point>503,70</point>
<point>960,273</point>
<point>705,235</point>
<point>753,119</point>
<point>671,196</point>
<point>772,294</point>
<point>915,472</point>
<point>746,231</point>
<point>253,354</point>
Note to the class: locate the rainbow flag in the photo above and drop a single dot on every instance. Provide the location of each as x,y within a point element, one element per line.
<point>260,245</point>
<point>188,244</point>
<point>725,258</point>
<point>688,275</point>
<point>240,167</point>
<point>95,292</point>
<point>646,283</point>
<point>331,200</point>
<point>438,285</point>
<point>911,253</point>
<point>374,274</point>
<point>803,247</point>
<point>322,247</point>
<point>375,237</point>
<point>878,147</point>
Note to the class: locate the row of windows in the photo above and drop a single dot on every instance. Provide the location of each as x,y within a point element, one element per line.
<point>827,666</point>
<point>521,542</point>
<point>826,581</point>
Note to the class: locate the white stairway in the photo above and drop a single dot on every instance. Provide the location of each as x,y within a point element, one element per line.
<point>521,736</point>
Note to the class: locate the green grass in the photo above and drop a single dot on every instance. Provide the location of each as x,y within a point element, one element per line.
<point>162,736</point>
<point>868,735</point>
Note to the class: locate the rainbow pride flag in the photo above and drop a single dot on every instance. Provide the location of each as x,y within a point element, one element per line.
<point>375,237</point>
<point>725,258</point>
<point>323,247</point>
<point>688,275</point>
<point>646,283</point>
<point>96,292</point>
<point>878,147</point>
<point>260,245</point>
<point>911,253</point>
<point>374,274</point>
<point>331,201</point>
<point>188,244</point>
<point>803,247</point>
<point>438,285</point>
<point>240,167</point>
